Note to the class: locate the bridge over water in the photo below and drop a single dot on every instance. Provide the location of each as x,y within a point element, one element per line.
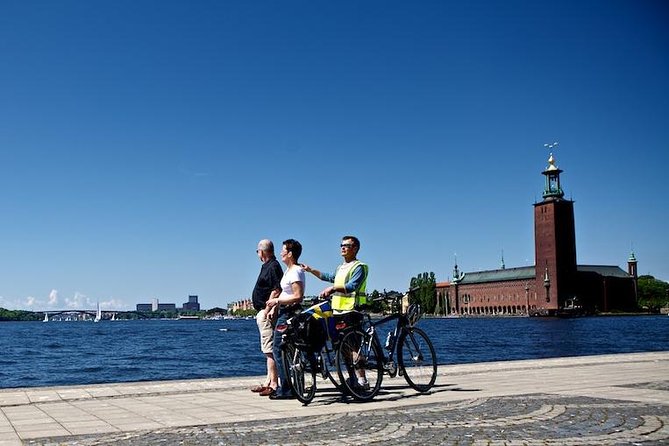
<point>83,315</point>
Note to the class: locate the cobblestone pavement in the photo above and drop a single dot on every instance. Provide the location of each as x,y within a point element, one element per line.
<point>535,419</point>
<point>596,400</point>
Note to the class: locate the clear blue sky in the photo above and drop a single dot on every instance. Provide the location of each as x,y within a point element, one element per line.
<point>146,146</point>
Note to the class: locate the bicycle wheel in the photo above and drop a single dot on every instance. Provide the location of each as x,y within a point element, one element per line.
<point>300,372</point>
<point>328,368</point>
<point>359,358</point>
<point>416,359</point>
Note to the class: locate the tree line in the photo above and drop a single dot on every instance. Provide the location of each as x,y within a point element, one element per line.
<point>19,315</point>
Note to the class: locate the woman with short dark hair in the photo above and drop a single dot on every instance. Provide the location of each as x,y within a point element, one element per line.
<point>292,293</point>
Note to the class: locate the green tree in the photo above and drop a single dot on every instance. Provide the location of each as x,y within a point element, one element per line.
<point>377,306</point>
<point>245,313</point>
<point>424,292</point>
<point>216,310</point>
<point>653,293</point>
<point>19,315</point>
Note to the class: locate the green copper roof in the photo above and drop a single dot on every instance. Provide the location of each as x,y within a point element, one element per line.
<point>499,275</point>
<point>528,272</point>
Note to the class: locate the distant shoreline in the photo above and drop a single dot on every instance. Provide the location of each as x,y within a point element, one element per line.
<point>427,316</point>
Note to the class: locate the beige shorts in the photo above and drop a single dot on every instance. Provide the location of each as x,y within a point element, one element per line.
<point>266,329</point>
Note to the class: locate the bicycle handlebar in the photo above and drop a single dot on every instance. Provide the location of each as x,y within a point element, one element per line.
<point>392,297</point>
<point>313,300</point>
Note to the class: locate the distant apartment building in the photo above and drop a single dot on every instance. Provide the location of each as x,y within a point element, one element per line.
<point>155,305</point>
<point>192,304</point>
<point>244,304</point>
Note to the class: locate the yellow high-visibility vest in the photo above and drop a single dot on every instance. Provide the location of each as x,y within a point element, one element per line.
<point>348,301</point>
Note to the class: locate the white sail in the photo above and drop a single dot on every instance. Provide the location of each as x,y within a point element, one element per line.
<point>98,314</point>
<point>46,317</point>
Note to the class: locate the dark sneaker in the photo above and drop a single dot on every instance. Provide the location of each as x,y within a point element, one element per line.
<point>276,396</point>
<point>355,384</point>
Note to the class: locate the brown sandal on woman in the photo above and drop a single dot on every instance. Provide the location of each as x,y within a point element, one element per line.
<point>267,392</point>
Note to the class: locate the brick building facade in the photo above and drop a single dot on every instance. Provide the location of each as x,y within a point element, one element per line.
<point>241,305</point>
<point>556,284</point>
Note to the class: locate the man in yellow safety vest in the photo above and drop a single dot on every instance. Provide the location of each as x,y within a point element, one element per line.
<point>349,280</point>
<point>348,292</point>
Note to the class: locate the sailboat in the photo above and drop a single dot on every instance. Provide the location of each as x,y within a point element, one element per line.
<point>46,317</point>
<point>98,314</point>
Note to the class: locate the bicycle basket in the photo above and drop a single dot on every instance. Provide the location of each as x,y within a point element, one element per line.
<point>309,332</point>
<point>414,314</point>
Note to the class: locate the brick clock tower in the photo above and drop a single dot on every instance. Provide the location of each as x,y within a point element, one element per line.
<point>554,243</point>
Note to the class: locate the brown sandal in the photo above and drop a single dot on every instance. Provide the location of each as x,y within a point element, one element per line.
<point>258,389</point>
<point>267,392</point>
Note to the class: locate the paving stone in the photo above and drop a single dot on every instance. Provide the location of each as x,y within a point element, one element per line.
<point>531,419</point>
<point>607,400</point>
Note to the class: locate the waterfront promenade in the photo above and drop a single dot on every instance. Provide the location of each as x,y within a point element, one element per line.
<point>603,400</point>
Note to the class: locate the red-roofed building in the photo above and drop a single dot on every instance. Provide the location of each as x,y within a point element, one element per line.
<point>556,284</point>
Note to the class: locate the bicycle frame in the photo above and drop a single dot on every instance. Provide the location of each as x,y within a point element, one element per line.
<point>325,357</point>
<point>389,364</point>
<point>362,362</point>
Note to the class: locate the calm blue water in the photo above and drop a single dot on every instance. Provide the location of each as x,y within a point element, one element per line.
<point>59,353</point>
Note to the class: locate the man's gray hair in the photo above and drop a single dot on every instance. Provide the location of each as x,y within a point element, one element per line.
<point>266,245</point>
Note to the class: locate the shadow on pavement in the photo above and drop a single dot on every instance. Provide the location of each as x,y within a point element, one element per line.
<point>387,393</point>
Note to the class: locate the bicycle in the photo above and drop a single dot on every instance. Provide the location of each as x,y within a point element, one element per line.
<point>308,348</point>
<point>361,361</point>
